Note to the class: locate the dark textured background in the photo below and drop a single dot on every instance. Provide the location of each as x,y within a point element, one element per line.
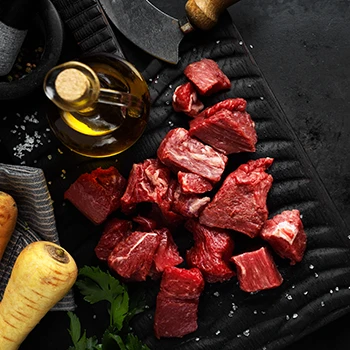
<point>303,49</point>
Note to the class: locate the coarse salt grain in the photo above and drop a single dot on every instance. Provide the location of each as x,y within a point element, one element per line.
<point>216,294</point>
<point>218,332</point>
<point>295,315</point>
<point>247,332</point>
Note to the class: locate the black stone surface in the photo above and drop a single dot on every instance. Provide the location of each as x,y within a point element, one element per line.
<point>303,49</point>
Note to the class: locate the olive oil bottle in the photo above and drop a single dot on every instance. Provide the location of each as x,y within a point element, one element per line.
<point>100,104</point>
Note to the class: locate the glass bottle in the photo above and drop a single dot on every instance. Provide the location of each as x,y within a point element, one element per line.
<point>101,104</point>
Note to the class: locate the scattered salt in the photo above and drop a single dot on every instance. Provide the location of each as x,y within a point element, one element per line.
<point>216,294</point>
<point>249,85</point>
<point>322,303</point>
<point>94,317</point>
<point>255,312</point>
<point>295,315</point>
<point>247,332</point>
<point>293,286</point>
<point>218,41</point>
<point>49,157</point>
<point>251,46</point>
<point>234,307</point>
<point>170,86</point>
<point>239,335</point>
<point>167,103</point>
<point>331,291</point>
<point>197,339</point>
<point>289,297</point>
<point>194,49</point>
<point>146,307</point>
<point>262,98</point>
<point>306,292</point>
<point>316,275</point>
<point>230,314</point>
<point>218,332</point>
<point>336,289</point>
<point>311,267</point>
<point>240,42</point>
<point>287,317</point>
<point>349,236</point>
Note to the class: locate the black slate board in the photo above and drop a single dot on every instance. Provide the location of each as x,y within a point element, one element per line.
<point>296,186</point>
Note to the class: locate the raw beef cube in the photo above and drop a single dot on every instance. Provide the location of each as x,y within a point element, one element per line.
<point>169,217</point>
<point>240,203</point>
<point>182,284</point>
<point>167,254</point>
<point>211,252</point>
<point>285,233</point>
<point>177,302</point>
<point>180,152</point>
<point>132,257</point>
<point>257,271</point>
<point>207,76</point>
<point>148,182</point>
<point>188,205</point>
<point>175,318</point>
<point>115,231</point>
<point>145,224</point>
<point>98,194</point>
<point>231,104</point>
<point>193,183</point>
<point>185,100</point>
<point>226,131</point>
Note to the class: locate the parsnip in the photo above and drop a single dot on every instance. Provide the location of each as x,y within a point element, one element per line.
<point>43,274</point>
<point>8,219</point>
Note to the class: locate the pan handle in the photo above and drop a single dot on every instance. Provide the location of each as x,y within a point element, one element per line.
<point>204,14</point>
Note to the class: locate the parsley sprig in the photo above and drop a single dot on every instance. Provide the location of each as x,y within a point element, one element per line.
<point>96,286</point>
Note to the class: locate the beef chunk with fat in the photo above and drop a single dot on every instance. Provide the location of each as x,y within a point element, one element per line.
<point>285,233</point>
<point>240,203</point>
<point>132,258</point>
<point>188,205</point>
<point>211,252</point>
<point>180,152</point>
<point>193,183</point>
<point>167,254</point>
<point>177,302</point>
<point>207,76</point>
<point>231,104</point>
<point>148,182</point>
<point>114,231</point>
<point>185,100</point>
<point>97,195</point>
<point>257,271</point>
<point>226,131</point>
<point>144,223</point>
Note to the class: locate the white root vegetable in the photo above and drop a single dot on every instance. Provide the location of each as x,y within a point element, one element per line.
<point>43,274</point>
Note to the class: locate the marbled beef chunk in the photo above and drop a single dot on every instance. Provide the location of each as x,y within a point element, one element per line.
<point>207,76</point>
<point>240,203</point>
<point>180,152</point>
<point>177,302</point>
<point>231,104</point>
<point>98,194</point>
<point>257,271</point>
<point>145,223</point>
<point>285,233</point>
<point>211,252</point>
<point>132,258</point>
<point>148,182</point>
<point>167,254</point>
<point>188,205</point>
<point>114,231</point>
<point>193,183</point>
<point>226,131</point>
<point>185,100</point>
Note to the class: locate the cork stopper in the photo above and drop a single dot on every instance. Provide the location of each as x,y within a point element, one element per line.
<point>71,84</point>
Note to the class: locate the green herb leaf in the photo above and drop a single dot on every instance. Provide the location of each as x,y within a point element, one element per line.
<point>97,285</point>
<point>80,342</point>
<point>119,310</point>
<point>133,343</point>
<point>110,341</point>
